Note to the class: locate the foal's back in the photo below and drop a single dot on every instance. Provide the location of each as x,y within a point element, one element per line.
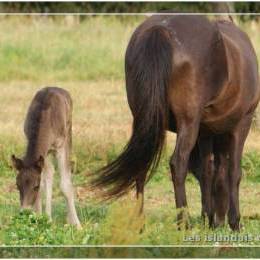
<point>49,116</point>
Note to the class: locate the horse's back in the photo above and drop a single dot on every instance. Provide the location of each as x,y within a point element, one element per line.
<point>50,109</point>
<point>190,34</point>
<point>214,68</point>
<point>197,45</point>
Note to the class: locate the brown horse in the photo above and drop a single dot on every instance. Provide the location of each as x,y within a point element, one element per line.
<point>48,131</point>
<point>198,78</point>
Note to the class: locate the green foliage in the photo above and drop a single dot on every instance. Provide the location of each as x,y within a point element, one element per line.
<point>117,223</point>
<point>249,7</point>
<point>251,166</point>
<point>28,228</point>
<point>87,51</point>
<point>127,7</point>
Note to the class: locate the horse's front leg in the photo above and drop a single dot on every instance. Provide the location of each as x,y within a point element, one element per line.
<point>206,180</point>
<point>238,138</point>
<point>186,138</point>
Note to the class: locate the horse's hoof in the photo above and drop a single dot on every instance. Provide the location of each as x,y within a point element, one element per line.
<point>235,226</point>
<point>142,229</point>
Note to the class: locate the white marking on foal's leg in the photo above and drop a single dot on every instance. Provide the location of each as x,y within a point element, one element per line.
<point>66,186</point>
<point>49,172</point>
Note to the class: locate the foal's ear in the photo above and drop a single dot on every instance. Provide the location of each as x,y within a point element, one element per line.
<point>17,163</point>
<point>39,164</point>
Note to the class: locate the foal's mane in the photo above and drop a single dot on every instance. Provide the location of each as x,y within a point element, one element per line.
<point>34,119</point>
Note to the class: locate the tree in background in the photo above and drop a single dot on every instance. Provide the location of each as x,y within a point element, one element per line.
<point>130,7</point>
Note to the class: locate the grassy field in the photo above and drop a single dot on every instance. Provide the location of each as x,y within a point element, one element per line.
<point>87,60</point>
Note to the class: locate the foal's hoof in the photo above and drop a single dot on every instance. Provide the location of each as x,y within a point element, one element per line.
<point>75,223</point>
<point>79,227</point>
<point>184,225</point>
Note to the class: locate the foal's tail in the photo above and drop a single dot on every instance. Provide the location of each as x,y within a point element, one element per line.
<point>148,71</point>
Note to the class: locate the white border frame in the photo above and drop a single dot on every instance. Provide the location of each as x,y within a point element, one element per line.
<point>129,14</point>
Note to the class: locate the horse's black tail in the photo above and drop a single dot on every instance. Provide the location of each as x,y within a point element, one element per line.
<point>148,70</point>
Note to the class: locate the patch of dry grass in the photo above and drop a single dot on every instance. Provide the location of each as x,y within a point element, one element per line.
<point>101,115</point>
<point>252,29</point>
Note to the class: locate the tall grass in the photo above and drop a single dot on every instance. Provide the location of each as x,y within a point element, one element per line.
<point>48,48</point>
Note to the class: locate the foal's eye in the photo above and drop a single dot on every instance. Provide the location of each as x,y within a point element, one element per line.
<point>36,188</point>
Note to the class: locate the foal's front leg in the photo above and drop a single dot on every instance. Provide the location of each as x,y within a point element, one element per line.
<point>49,172</point>
<point>37,206</point>
<point>38,203</point>
<point>66,185</point>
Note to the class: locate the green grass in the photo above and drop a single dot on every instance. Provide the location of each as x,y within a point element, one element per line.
<point>117,223</point>
<point>53,50</point>
<point>57,50</point>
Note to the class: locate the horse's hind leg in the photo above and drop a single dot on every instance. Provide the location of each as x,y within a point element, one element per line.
<point>63,155</point>
<point>140,198</point>
<point>140,193</point>
<point>186,137</point>
<point>238,138</point>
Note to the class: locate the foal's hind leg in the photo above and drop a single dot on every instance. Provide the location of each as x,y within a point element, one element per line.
<point>63,155</point>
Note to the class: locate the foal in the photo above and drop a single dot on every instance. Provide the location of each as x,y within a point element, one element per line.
<point>48,130</point>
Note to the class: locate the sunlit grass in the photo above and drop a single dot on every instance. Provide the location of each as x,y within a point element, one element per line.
<point>50,49</point>
<point>53,49</point>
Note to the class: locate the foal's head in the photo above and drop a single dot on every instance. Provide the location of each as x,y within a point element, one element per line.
<point>28,180</point>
